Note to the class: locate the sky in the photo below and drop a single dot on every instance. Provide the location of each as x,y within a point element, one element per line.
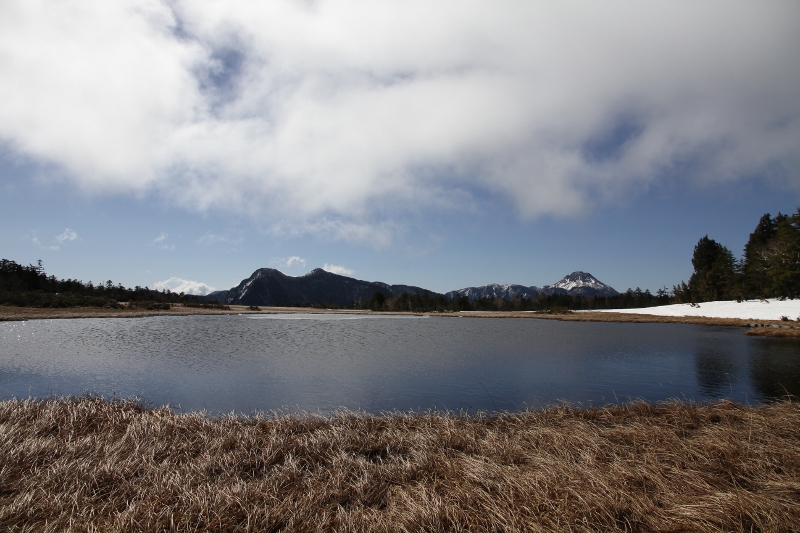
<point>183,145</point>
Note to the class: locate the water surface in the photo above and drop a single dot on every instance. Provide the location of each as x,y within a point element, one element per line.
<point>321,362</point>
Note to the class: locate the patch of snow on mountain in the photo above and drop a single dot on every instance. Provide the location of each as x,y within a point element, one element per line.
<point>494,290</point>
<point>580,283</point>
<point>249,282</point>
<point>579,279</point>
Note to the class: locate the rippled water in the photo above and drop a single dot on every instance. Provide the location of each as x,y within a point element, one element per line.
<point>321,362</point>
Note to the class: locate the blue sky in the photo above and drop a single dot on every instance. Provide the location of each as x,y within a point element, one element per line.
<point>445,145</point>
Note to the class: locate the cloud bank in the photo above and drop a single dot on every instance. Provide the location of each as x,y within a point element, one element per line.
<point>183,285</point>
<point>214,238</point>
<point>336,269</point>
<point>161,242</point>
<point>66,236</point>
<point>289,262</point>
<point>343,116</point>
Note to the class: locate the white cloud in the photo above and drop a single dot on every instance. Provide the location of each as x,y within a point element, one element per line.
<point>183,285</point>
<point>214,238</point>
<point>343,116</point>
<point>66,236</point>
<point>289,262</point>
<point>378,235</point>
<point>334,269</point>
<point>161,242</point>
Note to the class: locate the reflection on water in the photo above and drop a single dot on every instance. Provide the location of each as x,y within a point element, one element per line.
<point>379,363</point>
<point>715,374</point>
<point>716,370</point>
<point>768,367</point>
<point>774,368</point>
<point>329,317</point>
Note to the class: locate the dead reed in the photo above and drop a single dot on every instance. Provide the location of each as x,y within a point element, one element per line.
<point>86,464</point>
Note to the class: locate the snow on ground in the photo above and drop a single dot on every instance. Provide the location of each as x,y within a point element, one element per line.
<point>747,310</point>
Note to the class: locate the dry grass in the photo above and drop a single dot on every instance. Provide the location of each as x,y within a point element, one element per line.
<point>596,316</point>
<point>788,331</point>
<point>87,464</point>
<point>9,313</point>
<point>36,313</point>
<point>774,332</point>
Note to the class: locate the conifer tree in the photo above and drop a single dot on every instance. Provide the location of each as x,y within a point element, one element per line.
<point>756,252</point>
<point>783,260</point>
<point>714,276</point>
<point>771,264</point>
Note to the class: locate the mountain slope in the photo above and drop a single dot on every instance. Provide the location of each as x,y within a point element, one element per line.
<point>576,284</point>
<point>494,290</point>
<point>580,284</point>
<point>268,286</point>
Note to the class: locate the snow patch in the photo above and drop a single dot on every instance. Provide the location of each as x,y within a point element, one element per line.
<point>746,310</point>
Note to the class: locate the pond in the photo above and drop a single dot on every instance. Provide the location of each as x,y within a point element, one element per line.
<point>318,363</point>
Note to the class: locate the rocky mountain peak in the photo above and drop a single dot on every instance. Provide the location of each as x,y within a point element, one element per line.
<point>582,283</point>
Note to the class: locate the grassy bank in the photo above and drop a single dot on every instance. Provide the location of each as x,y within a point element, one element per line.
<point>8,313</point>
<point>92,465</point>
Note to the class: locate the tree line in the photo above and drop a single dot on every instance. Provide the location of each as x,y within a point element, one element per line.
<point>769,267</point>
<point>30,286</point>
<point>547,303</point>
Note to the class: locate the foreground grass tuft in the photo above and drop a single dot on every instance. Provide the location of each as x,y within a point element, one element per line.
<point>86,464</point>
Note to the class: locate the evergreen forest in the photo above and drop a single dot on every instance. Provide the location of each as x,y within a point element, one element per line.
<point>552,303</point>
<point>30,286</point>
<point>769,268</point>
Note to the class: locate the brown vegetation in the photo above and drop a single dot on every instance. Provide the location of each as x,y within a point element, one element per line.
<point>595,316</point>
<point>8,313</point>
<point>87,464</point>
<point>34,313</point>
<point>792,333</point>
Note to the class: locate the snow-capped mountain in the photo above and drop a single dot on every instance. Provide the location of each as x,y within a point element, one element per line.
<point>575,284</point>
<point>580,284</point>
<point>494,290</point>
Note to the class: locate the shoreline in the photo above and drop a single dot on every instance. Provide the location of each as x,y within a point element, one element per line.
<point>91,464</point>
<point>767,328</point>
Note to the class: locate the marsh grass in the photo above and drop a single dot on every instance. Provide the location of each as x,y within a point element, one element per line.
<point>87,464</point>
<point>774,332</point>
<point>9,313</point>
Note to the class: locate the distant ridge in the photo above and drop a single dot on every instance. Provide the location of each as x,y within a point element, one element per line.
<point>576,284</point>
<point>268,286</point>
<point>494,290</point>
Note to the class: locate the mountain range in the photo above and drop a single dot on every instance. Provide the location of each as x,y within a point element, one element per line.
<point>268,286</point>
<point>576,284</point>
